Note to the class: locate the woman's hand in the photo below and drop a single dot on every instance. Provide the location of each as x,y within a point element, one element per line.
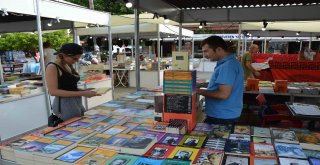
<point>90,93</point>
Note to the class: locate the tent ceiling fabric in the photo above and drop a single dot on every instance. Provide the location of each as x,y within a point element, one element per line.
<point>118,20</point>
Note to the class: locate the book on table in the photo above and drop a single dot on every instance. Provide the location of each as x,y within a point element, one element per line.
<point>160,151</point>
<point>241,129</point>
<point>260,132</point>
<point>237,147</point>
<point>142,127</point>
<point>115,130</point>
<point>233,160</point>
<point>152,134</point>
<point>312,153</point>
<point>263,150</point>
<point>209,156</point>
<point>284,135</point>
<point>138,145</point>
<point>84,123</point>
<point>290,161</point>
<point>265,140</point>
<point>220,131</point>
<point>203,127</point>
<point>79,135</point>
<point>98,156</point>
<point>123,159</point>
<point>239,137</point>
<point>215,143</point>
<point>99,126</point>
<point>175,162</point>
<point>309,141</point>
<point>314,161</point>
<point>192,141</point>
<point>159,127</point>
<point>130,125</point>
<point>60,133</point>
<point>171,139</point>
<point>264,161</point>
<point>95,140</point>
<point>184,153</point>
<point>117,141</point>
<point>115,120</point>
<point>142,161</point>
<point>289,150</point>
<point>73,155</point>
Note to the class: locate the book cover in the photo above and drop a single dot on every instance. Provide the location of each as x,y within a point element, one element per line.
<point>78,135</point>
<point>143,127</point>
<point>199,133</point>
<point>96,117</point>
<point>171,139</point>
<point>283,135</point>
<point>74,155</point>
<point>160,151</point>
<point>36,145</point>
<point>115,130</point>
<point>265,140</point>
<point>22,141</point>
<point>114,104</point>
<point>175,162</point>
<point>312,153</point>
<point>289,150</point>
<point>125,111</point>
<point>290,161</point>
<point>99,126</point>
<point>60,133</point>
<point>115,120</point>
<point>208,156</point>
<point>300,130</point>
<point>214,143</point>
<point>55,147</point>
<point>142,120</point>
<point>239,137</point>
<point>130,125</point>
<point>242,129</point>
<point>149,101</point>
<point>184,153</point>
<point>147,113</point>
<point>97,157</point>
<point>309,141</point>
<point>95,140</point>
<point>263,150</point>
<point>117,141</point>
<point>236,160</point>
<point>159,127</point>
<point>264,161</point>
<point>261,132</point>
<point>84,123</point>
<point>192,141</point>
<point>139,142</point>
<point>314,161</point>
<point>237,147</point>
<point>122,159</point>
<point>154,135</point>
<point>203,127</point>
<point>148,161</point>
<point>220,131</point>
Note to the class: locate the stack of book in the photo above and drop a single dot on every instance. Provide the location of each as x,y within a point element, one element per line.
<point>179,82</point>
<point>177,126</point>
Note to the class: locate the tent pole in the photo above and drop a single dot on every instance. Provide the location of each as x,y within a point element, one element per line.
<point>310,41</point>
<point>42,65</point>
<point>110,55</point>
<point>137,45</point>
<point>159,59</point>
<point>132,48</point>
<point>1,73</point>
<point>180,32</point>
<point>265,45</point>
<point>239,41</point>
<point>192,51</point>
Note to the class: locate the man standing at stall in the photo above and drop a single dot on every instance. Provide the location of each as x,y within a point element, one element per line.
<point>223,104</point>
<point>249,71</point>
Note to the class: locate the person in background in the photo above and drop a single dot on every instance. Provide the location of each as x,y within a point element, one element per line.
<point>306,53</point>
<point>249,71</point>
<point>223,96</point>
<point>62,82</point>
<point>48,53</point>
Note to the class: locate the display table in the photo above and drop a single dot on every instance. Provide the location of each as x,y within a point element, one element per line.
<point>22,114</point>
<point>148,78</point>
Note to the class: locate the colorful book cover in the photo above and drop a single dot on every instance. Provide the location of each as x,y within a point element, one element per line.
<point>237,160</point>
<point>22,141</point>
<point>312,153</point>
<point>147,161</point>
<point>55,147</point>
<point>308,138</point>
<point>237,147</point>
<point>99,126</point>
<point>300,130</point>
<point>139,142</point>
<point>58,134</point>
<point>261,132</point>
<point>115,130</point>
<point>125,111</point>
<point>159,127</point>
<point>145,101</point>
<point>114,120</point>
<point>160,151</point>
<point>290,161</point>
<point>74,154</point>
<point>263,150</point>
<point>154,135</point>
<point>143,127</point>
<point>96,117</point>
<point>95,140</point>
<point>192,141</point>
<point>98,157</point>
<point>84,123</point>
<point>283,135</point>
<point>36,145</point>
<point>175,162</point>
<point>122,159</point>
<point>239,137</point>
<point>142,120</point>
<point>289,150</point>
<point>148,113</point>
<point>114,104</point>
<point>199,133</point>
<point>265,161</point>
<point>220,131</point>
<point>314,161</point>
<point>184,153</point>
<point>208,156</point>
<point>119,140</point>
<point>171,139</point>
<point>257,139</point>
<point>203,127</point>
<point>214,143</point>
<point>81,133</point>
<point>242,129</point>
<point>130,125</point>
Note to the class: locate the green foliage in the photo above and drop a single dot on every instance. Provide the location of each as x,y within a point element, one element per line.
<point>29,41</point>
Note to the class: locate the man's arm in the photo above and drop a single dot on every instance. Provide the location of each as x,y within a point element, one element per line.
<point>254,71</point>
<point>222,93</point>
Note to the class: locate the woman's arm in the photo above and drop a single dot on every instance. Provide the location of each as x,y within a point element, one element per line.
<point>52,84</point>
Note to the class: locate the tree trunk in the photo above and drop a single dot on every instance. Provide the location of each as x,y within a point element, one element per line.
<point>91,5</point>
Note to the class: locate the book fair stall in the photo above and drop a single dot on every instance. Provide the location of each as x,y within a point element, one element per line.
<point>22,99</point>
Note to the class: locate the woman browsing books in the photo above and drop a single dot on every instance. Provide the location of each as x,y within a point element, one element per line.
<point>62,82</point>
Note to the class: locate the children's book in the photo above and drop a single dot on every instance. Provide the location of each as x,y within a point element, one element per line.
<point>242,129</point>
<point>236,160</point>
<point>261,132</point>
<point>290,161</point>
<point>192,141</point>
<point>289,150</point>
<point>115,130</point>
<point>115,142</point>
<point>184,153</point>
<point>239,137</point>
<point>122,159</point>
<point>208,156</point>
<point>171,139</point>
<point>160,151</point>
<point>78,135</point>
<point>263,150</point>
<point>257,139</point>
<point>73,155</point>
<point>237,147</point>
<point>97,157</point>
<point>60,133</point>
<point>264,161</point>
<point>148,161</point>
<point>95,140</point>
<point>284,135</point>
<point>214,143</point>
<point>220,131</point>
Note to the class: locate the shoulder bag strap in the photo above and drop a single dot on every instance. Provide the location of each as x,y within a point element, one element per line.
<point>58,78</point>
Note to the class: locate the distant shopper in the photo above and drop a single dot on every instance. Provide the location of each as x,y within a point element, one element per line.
<point>249,71</point>
<point>62,82</point>
<point>48,53</point>
<point>306,53</point>
<point>223,96</point>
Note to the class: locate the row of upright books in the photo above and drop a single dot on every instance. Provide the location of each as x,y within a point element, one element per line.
<point>179,82</point>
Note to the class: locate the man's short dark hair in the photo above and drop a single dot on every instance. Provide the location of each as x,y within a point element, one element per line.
<point>214,42</point>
